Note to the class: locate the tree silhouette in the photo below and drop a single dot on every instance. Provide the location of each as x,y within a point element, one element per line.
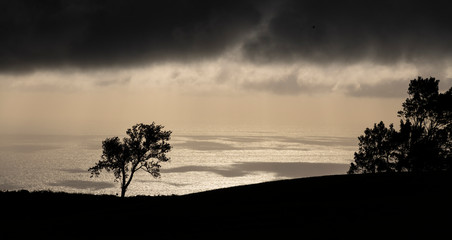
<point>424,141</point>
<point>427,115</point>
<point>377,151</point>
<point>144,148</point>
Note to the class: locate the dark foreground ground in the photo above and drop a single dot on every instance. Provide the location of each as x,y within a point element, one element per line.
<point>357,206</point>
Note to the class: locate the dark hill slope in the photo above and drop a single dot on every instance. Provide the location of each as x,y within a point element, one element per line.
<point>331,206</point>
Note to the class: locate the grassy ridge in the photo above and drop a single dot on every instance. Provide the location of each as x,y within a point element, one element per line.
<point>329,206</point>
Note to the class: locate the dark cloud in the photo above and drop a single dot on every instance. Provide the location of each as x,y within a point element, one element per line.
<point>384,89</point>
<point>388,88</point>
<point>116,81</point>
<point>91,34</point>
<point>87,33</point>
<point>287,85</point>
<point>351,31</point>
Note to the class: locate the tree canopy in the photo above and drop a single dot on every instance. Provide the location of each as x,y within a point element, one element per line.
<point>144,149</point>
<point>424,140</point>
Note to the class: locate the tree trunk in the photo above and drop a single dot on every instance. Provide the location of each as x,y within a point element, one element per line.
<point>123,183</point>
<point>123,191</point>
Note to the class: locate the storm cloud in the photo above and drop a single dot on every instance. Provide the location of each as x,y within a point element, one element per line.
<point>287,85</point>
<point>384,32</point>
<point>92,34</point>
<point>385,89</point>
<point>63,33</point>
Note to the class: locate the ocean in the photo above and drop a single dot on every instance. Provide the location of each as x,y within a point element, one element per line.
<point>200,161</point>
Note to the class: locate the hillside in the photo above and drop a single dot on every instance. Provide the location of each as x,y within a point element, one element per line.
<point>329,206</point>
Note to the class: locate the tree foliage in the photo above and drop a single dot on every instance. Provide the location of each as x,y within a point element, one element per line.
<point>144,148</point>
<point>376,150</point>
<point>424,140</point>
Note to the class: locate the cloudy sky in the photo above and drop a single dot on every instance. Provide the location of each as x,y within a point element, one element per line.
<point>97,67</point>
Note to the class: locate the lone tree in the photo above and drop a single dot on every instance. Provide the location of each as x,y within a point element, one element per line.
<point>424,142</point>
<point>144,148</point>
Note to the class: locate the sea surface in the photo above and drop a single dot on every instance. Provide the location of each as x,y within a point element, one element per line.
<point>200,161</point>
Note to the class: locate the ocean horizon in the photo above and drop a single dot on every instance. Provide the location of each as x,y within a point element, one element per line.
<point>200,161</point>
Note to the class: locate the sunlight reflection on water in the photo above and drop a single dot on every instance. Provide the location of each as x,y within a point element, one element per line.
<point>199,162</point>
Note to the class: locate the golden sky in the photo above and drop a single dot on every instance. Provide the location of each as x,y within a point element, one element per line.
<point>221,92</point>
